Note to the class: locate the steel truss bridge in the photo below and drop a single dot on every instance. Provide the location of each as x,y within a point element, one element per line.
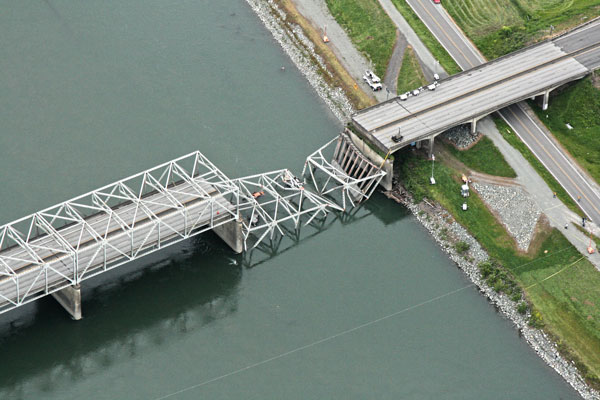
<point>55,249</point>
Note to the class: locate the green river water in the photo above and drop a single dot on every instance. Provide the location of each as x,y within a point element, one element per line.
<point>91,92</point>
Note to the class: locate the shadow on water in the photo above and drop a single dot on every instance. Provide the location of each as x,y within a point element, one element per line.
<point>136,310</point>
<point>386,211</point>
<point>145,304</point>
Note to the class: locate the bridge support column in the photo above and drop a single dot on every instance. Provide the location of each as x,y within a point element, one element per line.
<point>231,233</point>
<point>545,101</point>
<point>70,299</point>
<point>430,146</point>
<point>474,125</point>
<point>367,151</point>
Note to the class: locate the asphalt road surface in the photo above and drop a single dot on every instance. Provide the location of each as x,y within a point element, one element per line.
<point>531,131</point>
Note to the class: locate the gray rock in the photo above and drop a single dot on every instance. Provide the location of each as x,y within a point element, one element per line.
<point>516,210</point>
<point>461,136</point>
<point>447,232</point>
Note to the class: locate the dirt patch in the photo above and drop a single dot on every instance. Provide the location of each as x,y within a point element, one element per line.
<point>480,177</point>
<point>540,234</point>
<point>589,303</point>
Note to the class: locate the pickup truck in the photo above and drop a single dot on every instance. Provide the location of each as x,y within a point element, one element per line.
<point>375,86</point>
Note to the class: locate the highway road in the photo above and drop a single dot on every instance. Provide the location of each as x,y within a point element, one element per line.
<point>554,159</point>
<point>530,129</point>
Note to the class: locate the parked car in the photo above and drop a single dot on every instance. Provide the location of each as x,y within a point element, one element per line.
<point>372,75</point>
<point>373,85</point>
<point>437,1</point>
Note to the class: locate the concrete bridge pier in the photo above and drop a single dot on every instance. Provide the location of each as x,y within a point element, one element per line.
<point>70,299</point>
<point>430,145</point>
<point>546,98</point>
<point>231,233</point>
<point>474,125</point>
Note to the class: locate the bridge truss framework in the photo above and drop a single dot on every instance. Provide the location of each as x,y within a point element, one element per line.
<point>70,242</point>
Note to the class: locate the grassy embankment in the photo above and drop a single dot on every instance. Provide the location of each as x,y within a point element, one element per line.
<point>336,75</point>
<point>511,137</point>
<point>484,157</point>
<point>578,105</point>
<point>411,75</point>
<point>369,27</point>
<point>436,49</point>
<point>594,238</point>
<point>562,287</point>
<point>501,26</point>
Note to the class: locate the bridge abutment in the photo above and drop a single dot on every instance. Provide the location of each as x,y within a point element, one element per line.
<point>231,233</point>
<point>70,299</point>
<point>375,158</point>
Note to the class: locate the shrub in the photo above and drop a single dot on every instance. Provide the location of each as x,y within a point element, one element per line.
<point>536,320</point>
<point>522,308</point>
<point>462,247</point>
<point>516,295</point>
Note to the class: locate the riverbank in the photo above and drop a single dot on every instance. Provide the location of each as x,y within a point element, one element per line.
<point>447,232</point>
<point>325,74</point>
<point>436,218</point>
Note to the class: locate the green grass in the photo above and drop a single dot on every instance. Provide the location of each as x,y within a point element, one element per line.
<point>369,27</point>
<point>500,26</point>
<point>510,136</point>
<point>560,284</point>
<point>427,37</point>
<point>578,105</point>
<point>595,238</point>
<point>484,157</point>
<point>411,75</point>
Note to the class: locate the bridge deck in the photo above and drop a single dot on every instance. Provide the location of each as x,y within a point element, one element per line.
<point>111,238</point>
<point>100,230</point>
<point>471,94</point>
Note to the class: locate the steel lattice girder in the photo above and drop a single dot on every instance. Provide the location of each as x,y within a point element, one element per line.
<point>274,198</point>
<point>79,238</point>
<point>355,189</point>
<point>102,229</point>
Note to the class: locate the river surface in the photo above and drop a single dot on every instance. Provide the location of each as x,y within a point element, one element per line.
<point>367,307</point>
